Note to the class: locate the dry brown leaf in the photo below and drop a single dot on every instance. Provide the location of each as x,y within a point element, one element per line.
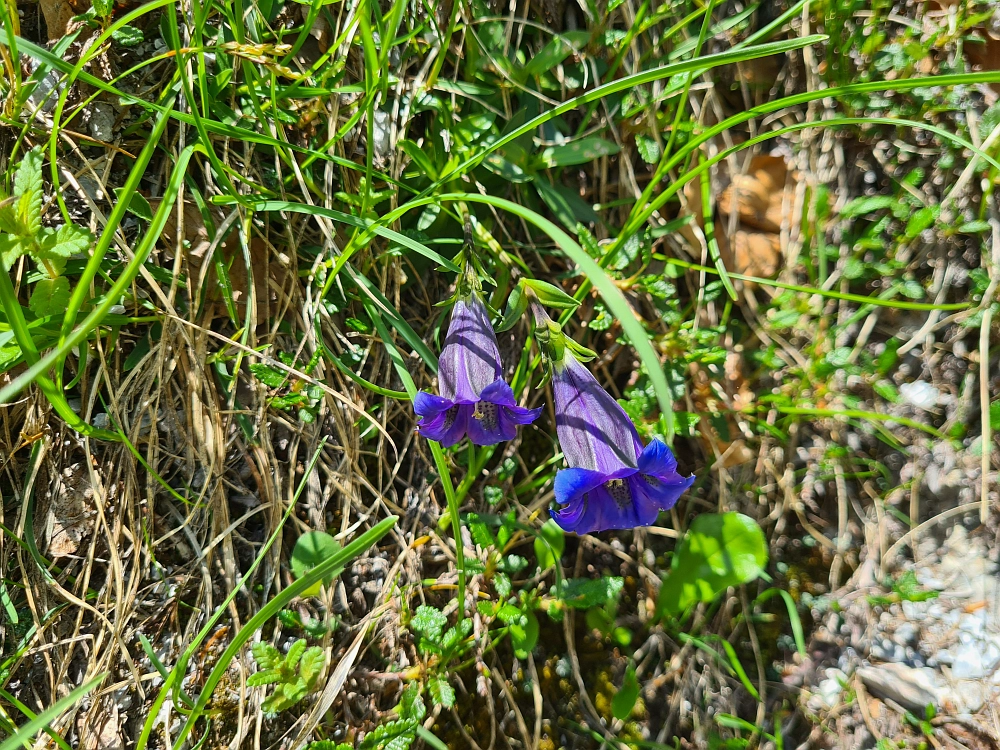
<point>59,13</point>
<point>201,268</point>
<point>759,194</point>
<point>102,734</point>
<point>759,200</point>
<point>70,515</point>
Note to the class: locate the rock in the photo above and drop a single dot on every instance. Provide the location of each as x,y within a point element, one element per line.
<point>100,118</point>
<point>906,633</point>
<point>920,394</point>
<point>975,659</point>
<point>887,650</point>
<point>911,688</point>
<point>830,689</point>
<point>966,697</point>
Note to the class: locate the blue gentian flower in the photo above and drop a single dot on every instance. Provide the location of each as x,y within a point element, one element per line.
<point>474,400</point>
<point>614,482</point>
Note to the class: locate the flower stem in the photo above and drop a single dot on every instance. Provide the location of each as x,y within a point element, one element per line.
<point>456,522</point>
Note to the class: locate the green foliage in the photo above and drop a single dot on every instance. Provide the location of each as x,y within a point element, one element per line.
<point>22,233</point>
<point>549,544</point>
<point>625,699</point>
<point>294,674</point>
<point>906,588</point>
<point>718,551</point>
<point>311,549</point>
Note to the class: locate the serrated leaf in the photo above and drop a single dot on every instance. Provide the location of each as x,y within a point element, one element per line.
<point>624,700</point>
<point>11,248</point>
<point>266,655</point>
<point>264,677</point>
<point>584,593</point>
<point>502,584</point>
<point>64,242</point>
<point>311,549</point>
<point>295,652</point>
<point>127,36</point>
<point>509,614</point>
<point>270,376</point>
<point>50,297</point>
<point>295,691</point>
<point>719,550</point>
<point>524,635</point>
<point>549,544</point>
<point>28,189</point>
<point>396,735</point>
<point>648,148</point>
<point>442,693</point>
<point>411,705</point>
<point>429,622</point>
<point>8,220</point>
<point>312,665</point>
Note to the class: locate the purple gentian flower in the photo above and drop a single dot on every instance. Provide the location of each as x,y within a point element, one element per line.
<point>614,482</point>
<point>474,398</point>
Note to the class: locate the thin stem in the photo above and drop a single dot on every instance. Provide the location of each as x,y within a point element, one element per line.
<point>456,522</point>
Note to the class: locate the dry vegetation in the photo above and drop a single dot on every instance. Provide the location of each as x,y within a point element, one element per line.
<point>146,554</point>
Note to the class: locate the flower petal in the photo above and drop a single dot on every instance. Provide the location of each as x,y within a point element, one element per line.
<point>428,405</point>
<point>521,415</point>
<point>447,427</point>
<point>657,458</point>
<point>489,424</point>
<point>594,431</point>
<point>470,360</point>
<point>573,483</point>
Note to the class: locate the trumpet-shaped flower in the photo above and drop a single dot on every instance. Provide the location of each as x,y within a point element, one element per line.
<point>474,400</point>
<point>614,482</point>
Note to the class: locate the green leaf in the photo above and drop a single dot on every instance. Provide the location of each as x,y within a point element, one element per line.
<point>103,8</point>
<point>624,700</point>
<point>265,677</point>
<point>411,705</point>
<point>502,584</point>
<point>442,693</point>
<point>584,593</point>
<point>556,51</point>
<point>294,654</point>
<point>312,665</point>
<point>524,635</point>
<point>311,549</point>
<point>429,622</point>
<point>270,376</point>
<point>565,204</point>
<point>648,148</point>
<point>517,304</point>
<point>551,295</point>
<point>29,190</point>
<point>582,151</point>
<point>266,655</point>
<point>128,36</point>
<point>137,205</point>
<point>718,551</point>
<point>11,248</point>
<point>995,416</point>
<point>8,220</point>
<point>64,242</point>
<point>922,219</point>
<point>549,544</point>
<point>50,297</point>
<point>866,205</point>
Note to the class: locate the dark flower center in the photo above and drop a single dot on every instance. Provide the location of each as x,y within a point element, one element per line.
<point>450,416</point>
<point>486,413</point>
<point>620,492</point>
